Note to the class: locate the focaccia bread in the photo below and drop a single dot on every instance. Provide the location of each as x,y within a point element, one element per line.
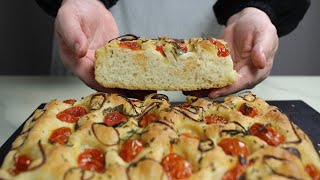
<point>107,136</point>
<point>134,63</point>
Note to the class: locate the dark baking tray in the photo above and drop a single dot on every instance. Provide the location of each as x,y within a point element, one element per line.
<point>298,111</point>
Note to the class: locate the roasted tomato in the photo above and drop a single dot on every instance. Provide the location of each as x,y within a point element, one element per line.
<point>215,119</point>
<point>236,172</point>
<point>147,119</point>
<point>70,101</point>
<point>130,44</point>
<point>160,49</point>
<point>130,149</point>
<point>92,160</point>
<point>248,110</point>
<point>21,163</point>
<point>312,171</point>
<point>234,147</point>
<point>176,167</point>
<point>183,47</point>
<point>266,133</point>
<point>60,135</point>
<point>222,49</point>
<point>72,115</point>
<point>114,118</point>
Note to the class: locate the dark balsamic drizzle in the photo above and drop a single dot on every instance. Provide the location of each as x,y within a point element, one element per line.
<point>295,132</point>
<point>205,145</point>
<point>99,103</point>
<point>126,37</point>
<point>293,151</point>
<point>43,157</point>
<point>245,94</point>
<point>166,123</point>
<point>189,109</point>
<point>266,157</point>
<point>27,131</point>
<point>160,97</point>
<point>149,108</point>
<point>233,132</point>
<point>92,128</point>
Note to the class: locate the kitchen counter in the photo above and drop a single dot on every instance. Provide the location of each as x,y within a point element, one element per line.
<point>21,95</point>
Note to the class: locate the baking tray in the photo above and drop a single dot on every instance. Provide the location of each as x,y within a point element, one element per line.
<point>298,111</point>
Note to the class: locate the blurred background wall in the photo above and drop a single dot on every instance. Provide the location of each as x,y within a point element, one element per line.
<point>26,42</point>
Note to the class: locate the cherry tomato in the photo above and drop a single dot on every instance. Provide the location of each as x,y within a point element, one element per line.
<point>215,119</point>
<point>70,101</point>
<point>176,167</point>
<point>312,171</point>
<point>72,115</point>
<point>236,172</point>
<point>160,49</point>
<point>183,47</point>
<point>147,119</point>
<point>60,135</point>
<point>92,160</point>
<point>21,163</point>
<point>222,50</point>
<point>130,149</point>
<point>248,110</point>
<point>234,147</point>
<point>131,45</point>
<point>266,133</point>
<point>114,118</point>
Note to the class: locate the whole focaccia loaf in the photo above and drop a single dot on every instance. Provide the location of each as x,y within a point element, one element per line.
<point>134,63</point>
<point>107,136</point>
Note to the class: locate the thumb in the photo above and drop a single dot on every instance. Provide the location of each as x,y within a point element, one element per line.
<point>258,55</point>
<point>69,31</point>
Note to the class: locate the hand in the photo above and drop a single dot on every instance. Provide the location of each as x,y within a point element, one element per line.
<point>81,27</point>
<point>252,40</point>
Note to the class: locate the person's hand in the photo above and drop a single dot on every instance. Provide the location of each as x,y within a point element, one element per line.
<point>252,40</point>
<point>81,27</point>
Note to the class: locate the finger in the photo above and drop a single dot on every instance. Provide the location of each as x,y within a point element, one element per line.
<point>198,93</point>
<point>258,57</point>
<point>264,47</point>
<point>69,31</point>
<point>242,82</point>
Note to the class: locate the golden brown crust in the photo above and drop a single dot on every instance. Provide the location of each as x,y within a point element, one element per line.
<point>180,129</point>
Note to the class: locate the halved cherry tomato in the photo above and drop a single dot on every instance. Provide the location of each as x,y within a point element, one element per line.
<point>236,172</point>
<point>266,133</point>
<point>215,119</point>
<point>130,149</point>
<point>176,167</point>
<point>248,110</point>
<point>114,118</point>
<point>72,115</point>
<point>234,147</point>
<point>60,135</point>
<point>131,45</point>
<point>160,49</point>
<point>147,119</point>
<point>92,160</point>
<point>222,50</point>
<point>21,163</point>
<point>70,101</point>
<point>183,47</point>
<point>312,171</point>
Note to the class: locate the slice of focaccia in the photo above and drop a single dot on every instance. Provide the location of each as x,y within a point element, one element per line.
<point>130,62</point>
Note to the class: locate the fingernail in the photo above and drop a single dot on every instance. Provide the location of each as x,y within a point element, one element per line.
<point>214,94</point>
